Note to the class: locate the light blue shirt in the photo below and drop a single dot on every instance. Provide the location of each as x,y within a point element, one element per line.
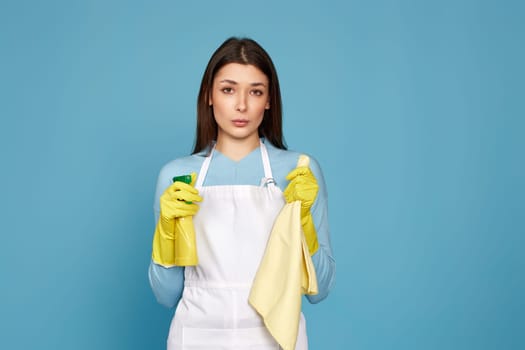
<point>167,283</point>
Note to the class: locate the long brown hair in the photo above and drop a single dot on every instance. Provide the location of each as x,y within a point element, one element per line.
<point>243,51</point>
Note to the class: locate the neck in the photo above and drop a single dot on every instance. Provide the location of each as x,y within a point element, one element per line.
<point>236,149</point>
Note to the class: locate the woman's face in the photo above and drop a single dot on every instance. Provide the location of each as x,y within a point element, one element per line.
<point>239,96</point>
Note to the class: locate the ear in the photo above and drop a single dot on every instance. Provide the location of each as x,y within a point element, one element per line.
<point>267,105</point>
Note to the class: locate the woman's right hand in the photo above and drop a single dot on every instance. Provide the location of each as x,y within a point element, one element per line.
<point>179,200</point>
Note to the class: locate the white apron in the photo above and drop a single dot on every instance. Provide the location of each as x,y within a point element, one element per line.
<point>232,227</point>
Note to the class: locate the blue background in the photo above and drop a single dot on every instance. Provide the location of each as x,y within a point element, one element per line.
<point>413,108</point>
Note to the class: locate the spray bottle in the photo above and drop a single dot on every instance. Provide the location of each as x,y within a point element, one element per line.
<point>185,243</point>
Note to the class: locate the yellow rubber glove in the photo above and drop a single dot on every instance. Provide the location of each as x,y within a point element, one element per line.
<point>174,239</point>
<point>303,187</point>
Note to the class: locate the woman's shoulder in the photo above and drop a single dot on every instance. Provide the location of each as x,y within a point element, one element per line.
<point>284,161</point>
<point>288,158</point>
<point>182,166</point>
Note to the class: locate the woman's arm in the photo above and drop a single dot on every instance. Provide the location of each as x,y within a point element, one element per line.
<point>282,163</point>
<point>167,283</point>
<point>323,259</point>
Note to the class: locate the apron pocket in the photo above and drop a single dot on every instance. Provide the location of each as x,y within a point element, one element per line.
<point>219,338</point>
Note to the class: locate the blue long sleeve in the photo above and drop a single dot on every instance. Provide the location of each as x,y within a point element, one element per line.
<point>167,283</point>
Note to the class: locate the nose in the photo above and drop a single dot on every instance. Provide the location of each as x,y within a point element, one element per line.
<point>241,102</point>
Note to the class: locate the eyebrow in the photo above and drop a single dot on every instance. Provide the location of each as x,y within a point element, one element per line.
<point>233,82</point>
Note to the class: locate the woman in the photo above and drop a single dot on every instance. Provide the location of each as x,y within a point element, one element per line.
<point>243,167</point>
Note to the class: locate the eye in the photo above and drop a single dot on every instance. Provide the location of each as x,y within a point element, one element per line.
<point>227,90</point>
<point>257,92</point>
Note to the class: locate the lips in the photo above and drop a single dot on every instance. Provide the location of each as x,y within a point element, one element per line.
<point>240,122</point>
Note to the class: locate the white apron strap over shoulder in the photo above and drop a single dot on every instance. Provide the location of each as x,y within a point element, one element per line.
<point>204,169</point>
<point>268,176</point>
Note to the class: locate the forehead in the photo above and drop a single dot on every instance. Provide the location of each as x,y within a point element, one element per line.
<point>241,73</point>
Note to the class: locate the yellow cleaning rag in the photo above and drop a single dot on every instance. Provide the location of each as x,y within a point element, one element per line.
<point>284,275</point>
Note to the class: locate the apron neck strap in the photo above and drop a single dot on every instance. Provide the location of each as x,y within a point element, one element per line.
<point>204,169</point>
<point>268,177</point>
<point>266,162</point>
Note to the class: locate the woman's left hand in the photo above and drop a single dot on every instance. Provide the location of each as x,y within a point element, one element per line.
<point>302,187</point>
